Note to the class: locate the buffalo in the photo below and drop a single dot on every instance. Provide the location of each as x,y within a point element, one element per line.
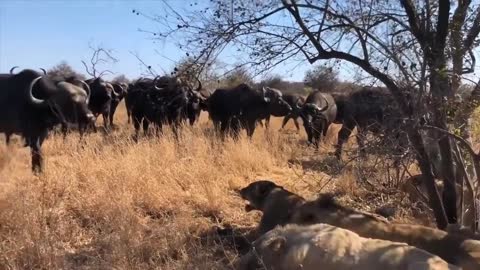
<point>120,91</point>
<point>242,106</point>
<point>165,100</point>
<point>101,99</point>
<point>370,110</point>
<point>318,112</point>
<point>296,102</point>
<point>133,92</point>
<point>31,104</point>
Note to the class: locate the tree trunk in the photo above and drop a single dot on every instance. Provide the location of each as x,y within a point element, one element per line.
<point>426,169</point>
<point>441,91</point>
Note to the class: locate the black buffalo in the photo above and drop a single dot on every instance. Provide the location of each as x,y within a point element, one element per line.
<point>134,89</point>
<point>296,102</point>
<point>31,104</point>
<point>318,112</point>
<point>101,99</point>
<point>370,110</point>
<point>120,91</point>
<point>272,93</point>
<point>165,100</point>
<point>242,106</point>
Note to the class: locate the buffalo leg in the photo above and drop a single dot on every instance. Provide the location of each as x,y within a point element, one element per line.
<point>267,122</point>
<point>308,130</point>
<point>7,138</point>
<point>250,127</point>
<point>64,129</point>
<point>136,125</point>
<point>224,128</point>
<point>295,121</point>
<point>37,159</point>
<point>145,124</point>
<point>111,113</point>
<point>316,138</point>
<point>285,120</point>
<point>343,135</point>
<point>325,128</point>
<point>105,120</point>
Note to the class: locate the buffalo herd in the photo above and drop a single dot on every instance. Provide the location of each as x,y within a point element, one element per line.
<point>32,104</point>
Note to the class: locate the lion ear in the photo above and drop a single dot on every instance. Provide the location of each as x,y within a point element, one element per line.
<point>277,244</point>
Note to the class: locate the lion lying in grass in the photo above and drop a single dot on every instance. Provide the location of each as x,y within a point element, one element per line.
<point>276,203</point>
<point>453,248</point>
<point>326,247</point>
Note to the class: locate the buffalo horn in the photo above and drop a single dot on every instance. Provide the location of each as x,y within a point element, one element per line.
<point>155,84</point>
<point>113,90</point>
<point>298,104</point>
<point>87,89</point>
<point>12,69</point>
<point>320,110</point>
<point>44,71</point>
<point>33,99</point>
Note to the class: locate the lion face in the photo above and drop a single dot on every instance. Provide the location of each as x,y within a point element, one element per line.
<point>256,193</point>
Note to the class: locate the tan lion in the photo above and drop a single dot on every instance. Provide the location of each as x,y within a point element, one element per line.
<point>453,248</point>
<point>326,247</point>
<point>276,203</point>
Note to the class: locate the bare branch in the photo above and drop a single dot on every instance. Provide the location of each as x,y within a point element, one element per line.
<point>99,56</point>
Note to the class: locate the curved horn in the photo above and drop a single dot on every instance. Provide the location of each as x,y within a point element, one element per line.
<point>155,84</point>
<point>33,99</point>
<point>320,110</point>
<point>44,71</point>
<point>87,89</point>
<point>298,104</point>
<point>123,86</point>
<point>113,90</point>
<point>12,69</point>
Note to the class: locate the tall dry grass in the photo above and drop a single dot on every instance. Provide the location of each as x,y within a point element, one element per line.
<point>111,203</point>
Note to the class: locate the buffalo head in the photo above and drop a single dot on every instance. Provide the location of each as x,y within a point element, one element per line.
<point>277,105</point>
<point>68,103</point>
<point>311,112</point>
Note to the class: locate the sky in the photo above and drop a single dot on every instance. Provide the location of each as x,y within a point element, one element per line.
<point>40,34</point>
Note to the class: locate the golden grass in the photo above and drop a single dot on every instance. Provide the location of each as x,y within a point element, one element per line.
<point>112,203</point>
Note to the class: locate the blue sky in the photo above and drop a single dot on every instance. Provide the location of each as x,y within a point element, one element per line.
<point>40,33</point>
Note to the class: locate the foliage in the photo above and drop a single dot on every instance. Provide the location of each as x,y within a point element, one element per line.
<point>63,70</point>
<point>322,78</point>
<point>236,77</point>
<point>121,79</point>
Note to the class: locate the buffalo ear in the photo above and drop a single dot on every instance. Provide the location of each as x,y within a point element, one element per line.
<point>264,93</point>
<point>277,244</point>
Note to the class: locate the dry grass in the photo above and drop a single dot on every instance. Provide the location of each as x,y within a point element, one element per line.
<point>111,203</point>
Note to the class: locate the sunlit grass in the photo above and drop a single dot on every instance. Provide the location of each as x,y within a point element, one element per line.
<point>112,203</point>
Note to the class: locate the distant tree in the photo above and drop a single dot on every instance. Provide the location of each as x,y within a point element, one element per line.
<point>322,78</point>
<point>236,77</point>
<point>62,71</point>
<point>121,79</point>
<point>274,81</point>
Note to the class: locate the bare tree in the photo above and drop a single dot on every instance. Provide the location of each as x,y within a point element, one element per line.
<point>62,71</point>
<point>100,57</point>
<point>418,49</point>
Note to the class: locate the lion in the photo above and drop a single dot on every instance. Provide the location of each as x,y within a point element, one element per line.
<point>453,248</point>
<point>326,247</point>
<point>276,203</point>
